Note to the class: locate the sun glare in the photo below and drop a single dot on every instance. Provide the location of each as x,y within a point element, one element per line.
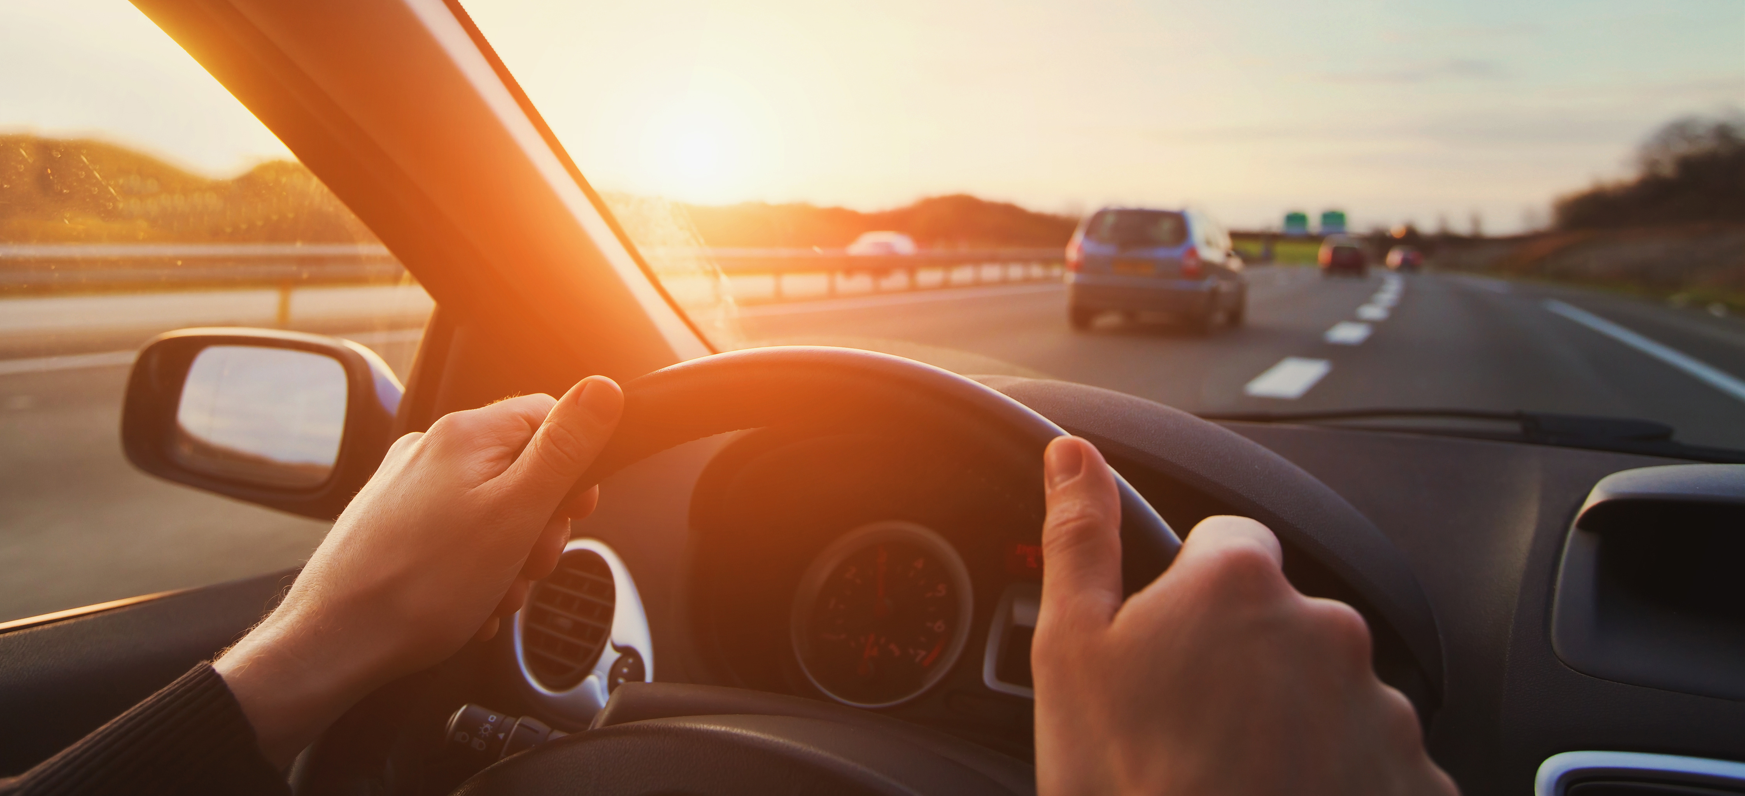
<point>702,149</point>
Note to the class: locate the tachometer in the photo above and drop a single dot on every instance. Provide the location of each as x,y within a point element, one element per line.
<point>882,614</point>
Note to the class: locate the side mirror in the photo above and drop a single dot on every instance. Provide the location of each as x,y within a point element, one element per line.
<point>296,422</point>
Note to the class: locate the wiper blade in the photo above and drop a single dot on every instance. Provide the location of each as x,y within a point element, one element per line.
<point>1620,434</point>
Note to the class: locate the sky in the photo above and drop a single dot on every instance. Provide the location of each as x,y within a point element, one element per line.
<point>1393,111</point>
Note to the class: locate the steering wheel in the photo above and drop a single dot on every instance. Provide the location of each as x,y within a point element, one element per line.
<point>659,738</point>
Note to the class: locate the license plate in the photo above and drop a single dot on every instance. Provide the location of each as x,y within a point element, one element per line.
<point>1134,267</point>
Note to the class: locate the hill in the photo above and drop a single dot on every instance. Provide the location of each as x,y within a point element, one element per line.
<point>943,222</point>
<point>88,191</point>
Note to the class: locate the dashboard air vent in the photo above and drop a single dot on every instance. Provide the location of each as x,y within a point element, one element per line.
<point>569,620</point>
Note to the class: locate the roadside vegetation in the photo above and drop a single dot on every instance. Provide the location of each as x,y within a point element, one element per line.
<point>1675,230</point>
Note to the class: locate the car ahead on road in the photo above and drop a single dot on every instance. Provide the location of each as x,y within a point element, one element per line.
<point>1405,258</point>
<point>878,243</point>
<point>1341,254</point>
<point>1556,596</point>
<point>1137,260</point>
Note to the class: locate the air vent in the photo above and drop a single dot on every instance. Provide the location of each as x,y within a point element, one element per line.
<point>569,620</point>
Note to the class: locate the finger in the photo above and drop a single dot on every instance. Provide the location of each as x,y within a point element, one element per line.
<point>514,598</point>
<point>547,549</point>
<point>1081,537</point>
<point>488,630</point>
<point>578,505</point>
<point>1234,555</point>
<point>1217,534</point>
<point>566,443</point>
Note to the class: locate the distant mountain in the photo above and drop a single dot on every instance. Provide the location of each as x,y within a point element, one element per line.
<point>59,190</point>
<point>941,222</point>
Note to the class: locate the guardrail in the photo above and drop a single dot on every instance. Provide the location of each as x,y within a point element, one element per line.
<point>78,268</point>
<point>1005,265</point>
<point>27,269</point>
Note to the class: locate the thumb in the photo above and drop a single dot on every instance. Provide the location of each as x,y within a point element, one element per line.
<point>566,443</point>
<point>1081,538</point>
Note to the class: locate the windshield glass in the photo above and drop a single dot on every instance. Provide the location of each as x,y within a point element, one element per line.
<point>1572,172</point>
<point>1137,228</point>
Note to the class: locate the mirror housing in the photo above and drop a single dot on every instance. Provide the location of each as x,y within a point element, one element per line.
<point>155,440</point>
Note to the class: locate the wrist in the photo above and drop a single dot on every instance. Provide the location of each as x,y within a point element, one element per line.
<point>294,678</point>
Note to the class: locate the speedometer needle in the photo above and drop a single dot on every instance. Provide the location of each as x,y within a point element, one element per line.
<point>880,608</point>
<point>866,656</point>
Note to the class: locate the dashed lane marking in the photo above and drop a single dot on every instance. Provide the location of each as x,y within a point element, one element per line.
<point>1693,367</point>
<point>1372,312</point>
<point>1347,333</point>
<point>1288,379</point>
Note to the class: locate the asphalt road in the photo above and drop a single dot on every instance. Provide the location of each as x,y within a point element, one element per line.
<point>78,525</point>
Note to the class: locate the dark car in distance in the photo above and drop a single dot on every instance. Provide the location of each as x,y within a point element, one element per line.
<point>1342,255</point>
<point>1140,260</point>
<point>1405,258</point>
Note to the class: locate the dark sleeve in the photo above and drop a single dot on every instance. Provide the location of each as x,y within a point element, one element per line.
<point>191,737</point>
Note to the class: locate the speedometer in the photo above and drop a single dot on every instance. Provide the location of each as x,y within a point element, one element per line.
<point>882,614</point>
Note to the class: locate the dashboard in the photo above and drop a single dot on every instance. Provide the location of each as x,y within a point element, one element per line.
<point>728,537</point>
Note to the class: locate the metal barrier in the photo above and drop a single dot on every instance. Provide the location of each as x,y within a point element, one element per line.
<point>1012,265</point>
<point>27,269</point>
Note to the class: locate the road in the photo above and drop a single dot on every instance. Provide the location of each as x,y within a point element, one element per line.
<point>81,526</point>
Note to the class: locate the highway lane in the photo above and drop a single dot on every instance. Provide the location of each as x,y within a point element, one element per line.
<point>78,525</point>
<point>1448,341</point>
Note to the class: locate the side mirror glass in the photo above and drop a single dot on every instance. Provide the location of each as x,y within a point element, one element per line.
<point>292,421</point>
<point>268,416</point>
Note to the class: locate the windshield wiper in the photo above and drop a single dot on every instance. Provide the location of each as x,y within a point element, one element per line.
<point>1620,434</point>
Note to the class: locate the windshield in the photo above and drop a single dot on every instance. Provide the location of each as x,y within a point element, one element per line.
<point>1572,173</point>
<point>1137,228</point>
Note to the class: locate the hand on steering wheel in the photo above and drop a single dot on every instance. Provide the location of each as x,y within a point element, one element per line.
<point>439,547</point>
<point>1219,677</point>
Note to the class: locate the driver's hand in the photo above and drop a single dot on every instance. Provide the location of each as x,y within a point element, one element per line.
<point>439,547</point>
<point>1218,677</point>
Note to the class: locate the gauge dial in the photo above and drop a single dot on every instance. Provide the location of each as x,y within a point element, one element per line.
<point>882,614</point>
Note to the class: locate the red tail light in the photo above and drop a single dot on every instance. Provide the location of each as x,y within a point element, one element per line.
<point>1191,264</point>
<point>1075,256</point>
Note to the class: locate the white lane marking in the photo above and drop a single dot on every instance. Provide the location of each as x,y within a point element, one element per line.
<point>1699,370</point>
<point>114,359</point>
<point>1347,333</point>
<point>1372,312</point>
<point>893,299</point>
<point>1289,379</point>
<point>106,359</point>
<point>1385,299</point>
